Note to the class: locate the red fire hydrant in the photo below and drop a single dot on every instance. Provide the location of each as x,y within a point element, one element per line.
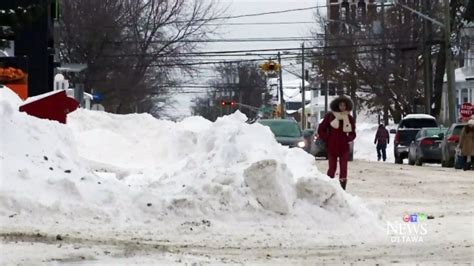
<point>52,105</point>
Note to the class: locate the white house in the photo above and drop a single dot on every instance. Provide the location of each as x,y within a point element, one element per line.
<point>293,97</point>
<point>464,76</point>
<point>318,103</point>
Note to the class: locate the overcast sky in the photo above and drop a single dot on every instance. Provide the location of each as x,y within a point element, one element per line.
<point>239,7</point>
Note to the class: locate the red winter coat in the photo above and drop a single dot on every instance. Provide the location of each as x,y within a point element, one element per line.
<point>337,141</point>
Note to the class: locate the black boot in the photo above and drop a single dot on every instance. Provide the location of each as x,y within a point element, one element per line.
<point>343,184</point>
<point>467,166</point>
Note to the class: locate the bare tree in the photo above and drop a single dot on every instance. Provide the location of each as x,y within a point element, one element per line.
<point>389,65</point>
<point>386,67</point>
<point>250,91</point>
<point>133,48</point>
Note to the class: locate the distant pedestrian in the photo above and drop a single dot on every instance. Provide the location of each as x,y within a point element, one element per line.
<point>382,138</point>
<point>466,144</point>
<point>338,129</point>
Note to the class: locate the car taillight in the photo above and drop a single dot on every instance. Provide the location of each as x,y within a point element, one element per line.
<point>453,139</point>
<point>397,138</point>
<point>427,142</point>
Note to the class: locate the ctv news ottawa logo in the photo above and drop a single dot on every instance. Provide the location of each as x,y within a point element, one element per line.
<point>411,230</point>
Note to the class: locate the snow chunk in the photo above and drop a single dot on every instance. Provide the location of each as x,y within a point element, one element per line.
<point>272,185</point>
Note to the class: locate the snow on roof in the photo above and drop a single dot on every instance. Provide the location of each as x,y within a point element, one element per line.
<point>41,96</point>
<point>461,74</point>
<point>418,116</point>
<point>294,95</point>
<point>296,83</point>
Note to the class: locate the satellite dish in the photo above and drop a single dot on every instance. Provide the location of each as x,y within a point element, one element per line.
<point>59,77</point>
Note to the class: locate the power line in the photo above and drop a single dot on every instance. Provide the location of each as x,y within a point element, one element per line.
<point>261,23</point>
<point>252,60</point>
<point>263,39</point>
<point>259,50</point>
<point>238,16</point>
<point>245,53</point>
<point>265,13</point>
<point>277,12</point>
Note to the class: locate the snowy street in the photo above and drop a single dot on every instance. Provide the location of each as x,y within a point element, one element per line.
<point>110,189</point>
<point>391,190</point>
<point>236,132</point>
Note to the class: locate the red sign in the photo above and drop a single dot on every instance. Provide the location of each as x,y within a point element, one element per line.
<point>466,110</point>
<point>52,105</point>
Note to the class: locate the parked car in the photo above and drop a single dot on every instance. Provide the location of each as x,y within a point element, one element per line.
<point>407,131</point>
<point>318,148</point>
<point>426,148</point>
<point>449,144</point>
<point>287,132</point>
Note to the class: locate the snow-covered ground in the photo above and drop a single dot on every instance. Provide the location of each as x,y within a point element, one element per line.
<point>105,177</point>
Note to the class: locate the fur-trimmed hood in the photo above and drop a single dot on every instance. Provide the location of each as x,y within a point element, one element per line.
<point>335,103</point>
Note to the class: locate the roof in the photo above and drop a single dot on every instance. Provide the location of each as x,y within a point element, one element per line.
<point>462,74</point>
<point>296,83</point>
<point>41,96</point>
<point>294,95</point>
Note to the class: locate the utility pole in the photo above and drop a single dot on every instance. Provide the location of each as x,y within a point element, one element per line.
<point>384,60</point>
<point>326,97</point>
<point>280,79</point>
<point>451,86</point>
<point>427,65</point>
<point>303,92</point>
<point>326,89</point>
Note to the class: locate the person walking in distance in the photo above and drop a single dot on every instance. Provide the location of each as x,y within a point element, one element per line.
<point>382,138</point>
<point>466,144</point>
<point>338,129</point>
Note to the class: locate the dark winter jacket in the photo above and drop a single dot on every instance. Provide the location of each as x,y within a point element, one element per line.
<point>337,135</point>
<point>382,136</point>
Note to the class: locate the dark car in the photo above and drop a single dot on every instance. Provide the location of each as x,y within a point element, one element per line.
<point>407,131</point>
<point>287,132</point>
<point>449,144</point>
<point>426,148</point>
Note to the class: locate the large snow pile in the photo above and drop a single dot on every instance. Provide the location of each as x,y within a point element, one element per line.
<point>133,169</point>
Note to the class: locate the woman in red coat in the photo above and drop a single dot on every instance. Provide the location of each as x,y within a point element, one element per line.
<point>338,130</point>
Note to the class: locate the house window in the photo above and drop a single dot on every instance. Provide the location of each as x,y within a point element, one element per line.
<point>464,96</point>
<point>469,58</point>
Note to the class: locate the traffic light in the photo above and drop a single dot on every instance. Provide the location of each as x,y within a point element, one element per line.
<point>277,111</point>
<point>228,103</point>
<point>270,66</point>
